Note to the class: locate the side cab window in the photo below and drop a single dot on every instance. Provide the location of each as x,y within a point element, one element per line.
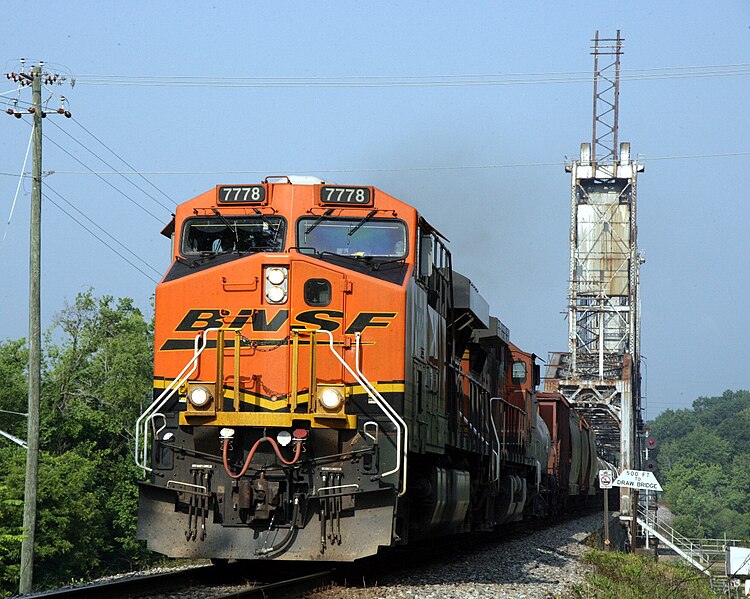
<point>518,373</point>
<point>433,270</point>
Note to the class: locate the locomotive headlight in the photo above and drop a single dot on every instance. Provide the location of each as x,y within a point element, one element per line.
<point>199,396</point>
<point>276,284</point>
<point>275,295</point>
<point>275,275</point>
<point>330,398</point>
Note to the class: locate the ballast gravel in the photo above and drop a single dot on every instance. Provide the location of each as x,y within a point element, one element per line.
<point>543,565</point>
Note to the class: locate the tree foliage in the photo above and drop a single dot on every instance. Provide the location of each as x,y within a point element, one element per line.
<point>704,462</point>
<point>96,378</point>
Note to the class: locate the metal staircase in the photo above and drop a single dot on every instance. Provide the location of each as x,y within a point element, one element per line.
<point>695,553</point>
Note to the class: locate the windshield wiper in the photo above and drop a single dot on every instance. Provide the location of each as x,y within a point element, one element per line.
<point>377,265</point>
<point>267,223</point>
<point>362,222</point>
<point>354,257</point>
<point>231,227</point>
<point>319,220</point>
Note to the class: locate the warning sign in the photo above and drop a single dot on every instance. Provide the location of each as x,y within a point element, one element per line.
<point>638,479</point>
<point>605,479</point>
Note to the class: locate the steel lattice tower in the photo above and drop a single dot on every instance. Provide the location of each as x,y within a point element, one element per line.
<point>600,372</point>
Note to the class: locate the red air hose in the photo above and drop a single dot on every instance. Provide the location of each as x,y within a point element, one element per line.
<point>225,450</point>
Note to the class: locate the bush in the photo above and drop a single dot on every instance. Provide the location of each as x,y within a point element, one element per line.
<point>627,576</point>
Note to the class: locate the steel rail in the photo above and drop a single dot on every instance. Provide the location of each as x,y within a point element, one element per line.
<point>180,581</point>
<point>132,585</point>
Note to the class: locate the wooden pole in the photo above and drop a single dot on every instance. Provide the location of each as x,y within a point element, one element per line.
<point>35,340</point>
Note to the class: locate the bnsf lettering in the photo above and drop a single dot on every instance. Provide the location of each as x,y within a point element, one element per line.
<point>198,320</point>
<point>368,319</point>
<point>327,320</point>
<point>321,318</point>
<point>241,319</point>
<point>260,321</point>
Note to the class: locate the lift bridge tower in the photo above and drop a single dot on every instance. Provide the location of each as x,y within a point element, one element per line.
<point>600,372</point>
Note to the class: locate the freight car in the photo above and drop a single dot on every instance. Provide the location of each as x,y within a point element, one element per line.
<point>325,384</point>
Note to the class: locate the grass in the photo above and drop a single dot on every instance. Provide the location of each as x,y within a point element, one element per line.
<point>626,576</point>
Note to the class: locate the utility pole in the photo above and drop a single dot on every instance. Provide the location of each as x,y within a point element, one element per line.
<point>35,341</point>
<point>35,79</point>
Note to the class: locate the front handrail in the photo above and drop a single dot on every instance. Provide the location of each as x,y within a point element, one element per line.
<point>384,406</point>
<point>142,425</point>
<point>389,412</point>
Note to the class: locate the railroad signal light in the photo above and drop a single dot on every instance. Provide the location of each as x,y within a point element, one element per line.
<point>651,444</point>
<point>650,465</point>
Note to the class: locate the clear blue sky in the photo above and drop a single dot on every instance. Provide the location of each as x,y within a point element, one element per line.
<point>508,225</point>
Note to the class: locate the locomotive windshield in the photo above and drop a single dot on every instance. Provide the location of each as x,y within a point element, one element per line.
<point>354,237</point>
<point>222,234</point>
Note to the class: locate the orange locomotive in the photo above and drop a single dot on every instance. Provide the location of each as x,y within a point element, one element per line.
<point>325,384</point>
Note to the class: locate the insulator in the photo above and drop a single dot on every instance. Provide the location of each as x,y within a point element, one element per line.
<point>60,111</point>
<point>44,115</point>
<point>67,114</point>
<point>31,109</point>
<point>17,115</point>
<point>9,111</point>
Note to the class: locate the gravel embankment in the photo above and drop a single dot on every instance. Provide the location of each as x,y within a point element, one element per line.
<point>540,566</point>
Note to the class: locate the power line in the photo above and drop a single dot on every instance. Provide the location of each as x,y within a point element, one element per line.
<point>12,412</point>
<point>97,237</point>
<point>124,161</point>
<point>12,91</point>
<point>386,169</point>
<point>103,230</point>
<point>95,155</point>
<point>122,193</point>
<point>460,80</point>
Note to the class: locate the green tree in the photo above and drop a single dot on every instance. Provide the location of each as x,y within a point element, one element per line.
<point>740,483</point>
<point>712,411</point>
<point>673,424</point>
<point>704,464</point>
<point>97,376</point>
<point>700,445</point>
<point>14,359</point>
<point>10,537</point>
<point>736,431</point>
<point>698,490</point>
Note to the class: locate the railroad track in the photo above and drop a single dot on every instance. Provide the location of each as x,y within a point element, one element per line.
<point>193,579</point>
<point>271,578</point>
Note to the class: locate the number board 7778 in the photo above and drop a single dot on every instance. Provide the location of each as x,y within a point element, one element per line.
<point>242,194</point>
<point>356,196</point>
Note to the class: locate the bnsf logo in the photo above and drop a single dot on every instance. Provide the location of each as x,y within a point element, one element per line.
<point>261,322</point>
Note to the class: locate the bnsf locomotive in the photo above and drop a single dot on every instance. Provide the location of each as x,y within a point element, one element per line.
<point>325,384</point>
